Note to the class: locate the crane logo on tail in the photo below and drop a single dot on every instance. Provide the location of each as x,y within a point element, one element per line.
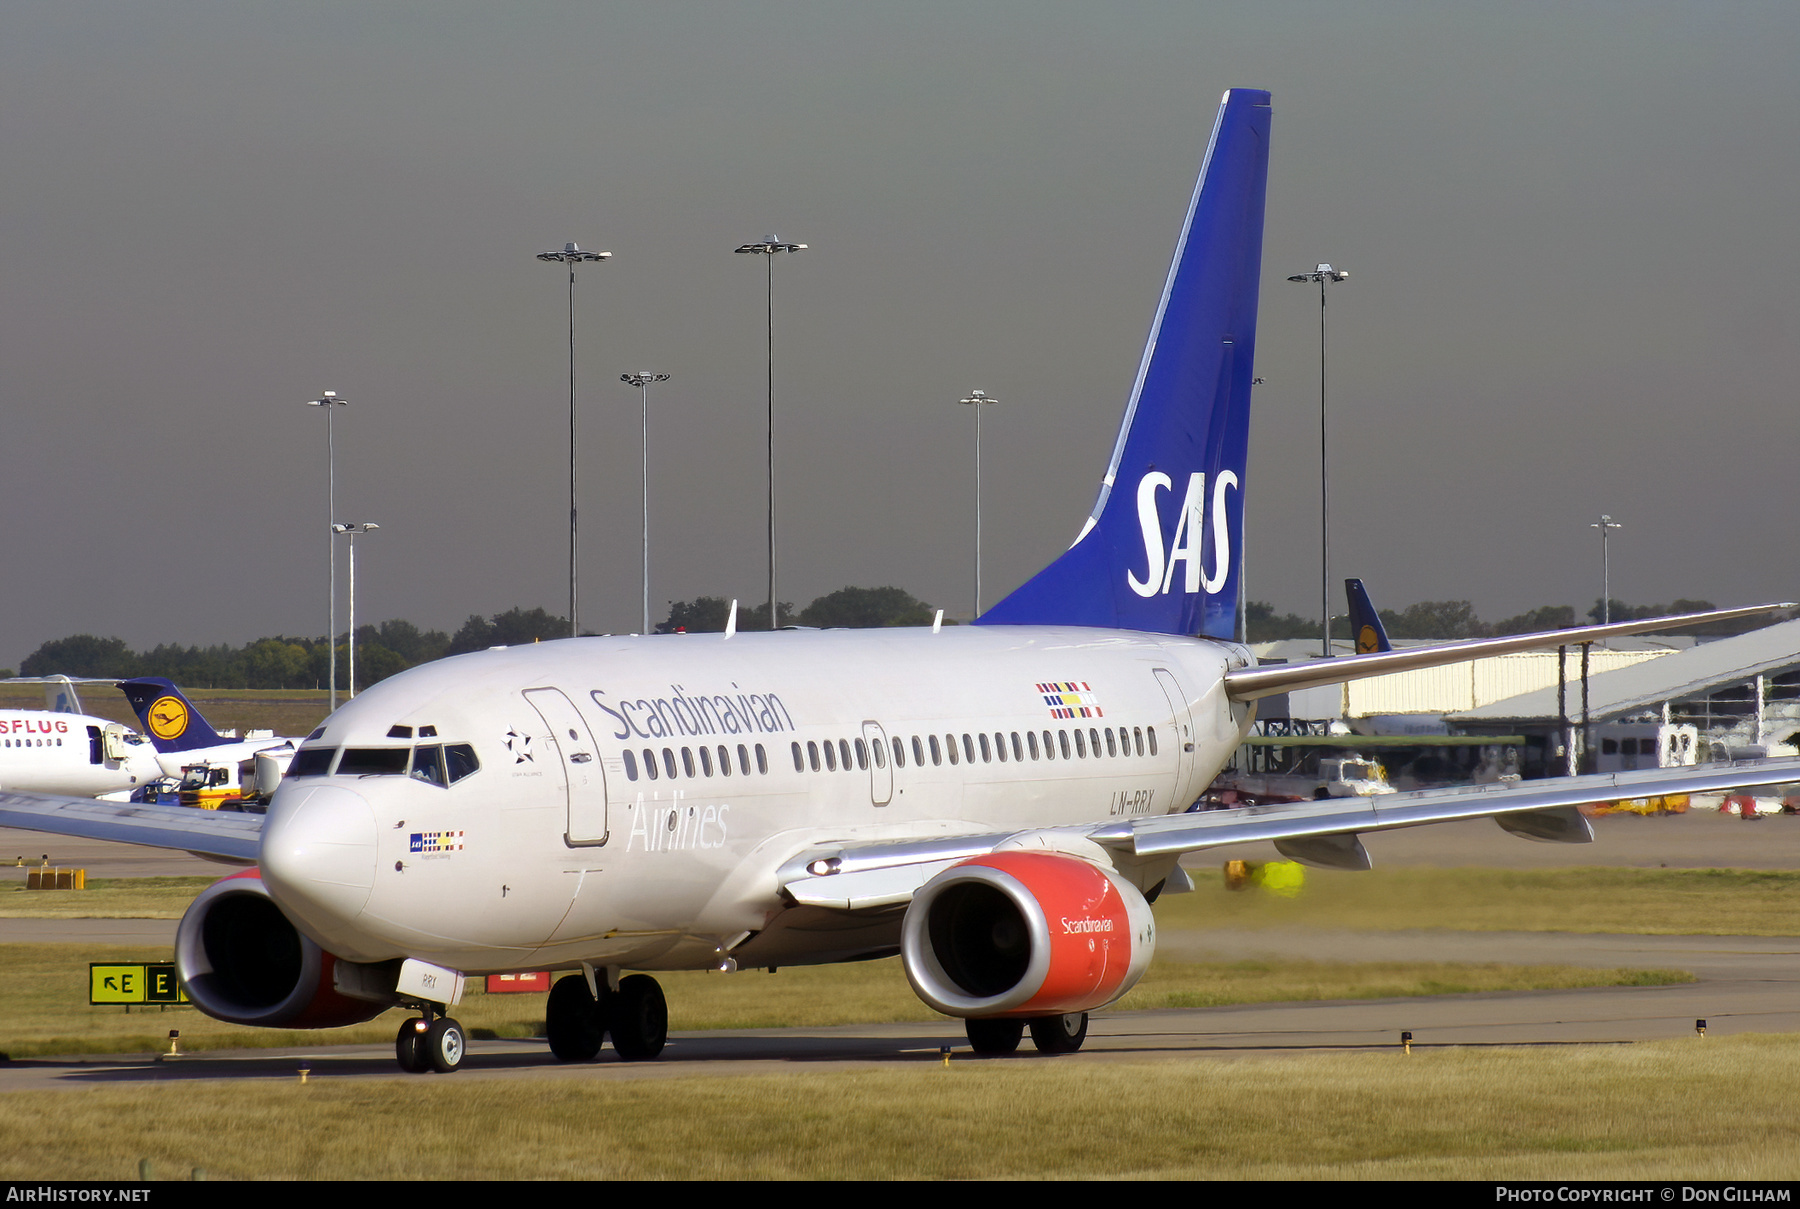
<point>167,718</point>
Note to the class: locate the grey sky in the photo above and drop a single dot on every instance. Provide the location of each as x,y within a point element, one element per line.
<point>1568,228</point>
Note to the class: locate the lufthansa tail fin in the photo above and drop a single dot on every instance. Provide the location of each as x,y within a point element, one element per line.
<point>169,718</point>
<point>1163,549</point>
<point>1365,623</point>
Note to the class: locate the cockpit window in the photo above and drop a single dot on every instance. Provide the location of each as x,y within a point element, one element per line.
<point>374,762</point>
<point>459,759</point>
<point>433,763</point>
<point>312,762</point>
<point>428,765</point>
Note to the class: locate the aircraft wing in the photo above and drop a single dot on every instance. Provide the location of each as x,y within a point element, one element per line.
<point>220,833</point>
<point>856,877</point>
<point>1250,684</point>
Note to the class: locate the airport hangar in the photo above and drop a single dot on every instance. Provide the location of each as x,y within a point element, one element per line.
<point>1649,701</point>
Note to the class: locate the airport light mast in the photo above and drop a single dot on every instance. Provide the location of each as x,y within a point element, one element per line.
<point>975,400</point>
<point>350,531</point>
<point>642,380</point>
<point>768,249</point>
<point>572,255</point>
<point>1603,524</point>
<point>1323,274</point>
<point>330,400</point>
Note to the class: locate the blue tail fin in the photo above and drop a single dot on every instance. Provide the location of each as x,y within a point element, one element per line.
<point>169,718</point>
<point>1365,623</point>
<point>1163,549</point>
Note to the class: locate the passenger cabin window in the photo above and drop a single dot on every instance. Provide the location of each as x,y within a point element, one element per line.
<point>631,773</point>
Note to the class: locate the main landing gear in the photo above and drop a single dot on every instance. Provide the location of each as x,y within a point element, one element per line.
<point>636,1016</point>
<point>424,1044</point>
<point>1051,1034</point>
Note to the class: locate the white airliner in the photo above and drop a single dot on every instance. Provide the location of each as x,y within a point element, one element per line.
<point>999,803</point>
<point>64,751</point>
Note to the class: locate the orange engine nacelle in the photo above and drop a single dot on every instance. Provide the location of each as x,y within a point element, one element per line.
<point>1025,934</point>
<point>242,961</point>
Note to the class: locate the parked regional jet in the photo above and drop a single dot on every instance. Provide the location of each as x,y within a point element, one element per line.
<point>62,750</point>
<point>183,737</point>
<point>1000,804</point>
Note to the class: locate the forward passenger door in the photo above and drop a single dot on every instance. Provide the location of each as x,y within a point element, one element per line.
<point>580,759</point>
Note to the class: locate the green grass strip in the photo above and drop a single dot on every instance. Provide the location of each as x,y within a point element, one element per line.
<point>1715,1109</point>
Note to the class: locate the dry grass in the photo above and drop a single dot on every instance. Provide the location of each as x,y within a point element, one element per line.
<point>43,1008</point>
<point>284,711</point>
<point>1735,902</point>
<point>1717,1109</point>
<point>104,898</point>
<point>1688,902</point>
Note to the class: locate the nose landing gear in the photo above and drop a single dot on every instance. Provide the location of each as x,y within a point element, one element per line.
<point>424,1044</point>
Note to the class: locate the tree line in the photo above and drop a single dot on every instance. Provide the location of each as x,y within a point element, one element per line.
<point>282,661</point>
<point>393,646</point>
<point>1448,619</point>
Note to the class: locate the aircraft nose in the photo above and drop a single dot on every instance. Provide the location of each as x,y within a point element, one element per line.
<point>318,853</point>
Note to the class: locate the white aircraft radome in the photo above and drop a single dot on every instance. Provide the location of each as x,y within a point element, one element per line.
<point>1000,804</point>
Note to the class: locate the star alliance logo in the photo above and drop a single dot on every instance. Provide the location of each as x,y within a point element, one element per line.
<point>520,746</point>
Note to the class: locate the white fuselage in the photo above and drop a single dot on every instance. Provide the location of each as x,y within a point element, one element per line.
<point>44,752</point>
<point>563,848</point>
